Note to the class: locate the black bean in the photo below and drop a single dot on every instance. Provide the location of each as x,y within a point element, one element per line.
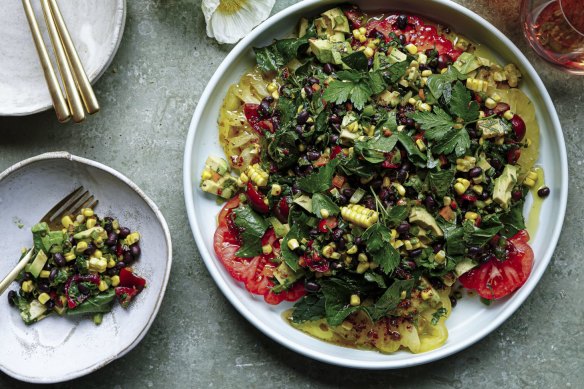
<point>475,172</point>
<point>341,244</point>
<point>337,234</point>
<point>474,251</point>
<point>384,194</point>
<point>308,91</point>
<point>410,265</point>
<point>368,202</point>
<point>27,277</point>
<point>406,166</point>
<point>264,108</point>
<point>334,139</point>
<point>83,289</point>
<point>376,184</point>
<point>112,272</point>
<point>402,22</point>
<point>308,169</point>
<point>124,232</point>
<point>403,227</point>
<point>543,192</point>
<point>402,39</point>
<point>108,227</point>
<point>53,274</point>
<point>402,176</point>
<point>431,53</point>
<point>135,250</point>
<point>44,286</point>
<point>328,68</point>
<point>342,199</point>
<point>312,155</point>
<point>112,239</point>
<point>311,286</point>
<point>453,301</point>
<point>50,304</point>
<point>128,258</point>
<point>415,253</point>
<point>120,265</point>
<point>313,233</point>
<point>313,80</point>
<point>90,249</point>
<point>437,247</point>
<point>433,63</point>
<point>410,122</point>
<point>336,265</point>
<point>59,259</point>
<point>358,240</point>
<point>11,298</point>
<point>302,117</point>
<point>444,60</point>
<point>299,129</point>
<point>335,119</point>
<point>348,192</point>
<point>516,195</point>
<point>295,188</point>
<point>430,202</point>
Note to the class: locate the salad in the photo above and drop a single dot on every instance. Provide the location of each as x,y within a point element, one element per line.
<point>79,270</point>
<point>375,165</point>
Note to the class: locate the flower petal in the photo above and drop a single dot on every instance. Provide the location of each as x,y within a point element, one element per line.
<point>229,28</point>
<point>209,7</point>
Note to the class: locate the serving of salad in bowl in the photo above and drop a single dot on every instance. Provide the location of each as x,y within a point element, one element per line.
<point>375,172</point>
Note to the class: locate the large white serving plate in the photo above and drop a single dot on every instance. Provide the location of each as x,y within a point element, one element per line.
<point>58,349</point>
<point>96,28</point>
<point>470,320</point>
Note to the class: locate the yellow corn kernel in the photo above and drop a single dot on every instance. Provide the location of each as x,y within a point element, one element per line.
<point>206,175</point>
<point>87,212</point>
<point>111,263</point>
<point>412,101</point>
<point>393,233</point>
<point>97,265</point>
<point>532,175</point>
<point>102,286</point>
<point>508,115</point>
<point>362,267</point>
<point>276,190</point>
<point>66,221</point>
<point>70,256</point>
<point>244,178</point>
<point>400,189</point>
<point>440,256</point>
<point>421,145</point>
<point>415,64</point>
<point>397,244</point>
<point>360,215</point>
<point>369,52</point>
<point>481,114</point>
<point>490,103</point>
<point>362,30</point>
<point>355,300</point>
<point>44,274</point>
<point>471,215</point>
<point>362,257</point>
<point>90,223</point>
<point>424,107</point>
<point>426,73</point>
<point>257,175</point>
<point>477,85</point>
<point>328,250</point>
<point>98,254</point>
<point>496,97</point>
<point>478,189</point>
<point>408,245</point>
<point>386,182</point>
<point>362,38</point>
<point>272,87</point>
<point>324,213</point>
<point>427,294</point>
<point>335,255</point>
<point>356,33</point>
<point>443,70</point>
<point>347,325</point>
<point>293,244</point>
<point>276,95</point>
<point>115,281</point>
<point>446,201</point>
<point>81,247</point>
<point>411,48</point>
<point>352,250</point>
<point>529,182</point>
<point>27,286</point>
<point>459,188</point>
<point>43,298</point>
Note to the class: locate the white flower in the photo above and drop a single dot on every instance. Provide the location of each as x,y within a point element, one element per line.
<point>230,20</point>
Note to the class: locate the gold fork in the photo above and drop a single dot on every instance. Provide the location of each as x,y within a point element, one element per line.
<point>70,205</point>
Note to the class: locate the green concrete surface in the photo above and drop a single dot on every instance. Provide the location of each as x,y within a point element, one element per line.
<point>148,96</point>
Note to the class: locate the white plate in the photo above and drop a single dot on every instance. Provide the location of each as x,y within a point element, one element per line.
<point>96,27</point>
<point>470,320</point>
<point>58,349</point>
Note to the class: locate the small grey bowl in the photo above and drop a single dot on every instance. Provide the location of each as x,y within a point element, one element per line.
<point>58,349</point>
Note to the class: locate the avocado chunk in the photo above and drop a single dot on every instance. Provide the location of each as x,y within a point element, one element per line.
<point>504,185</point>
<point>422,218</point>
<point>464,266</point>
<point>216,164</point>
<point>38,264</point>
<point>493,127</point>
<point>332,25</point>
<point>280,228</point>
<point>224,187</point>
<point>93,232</point>
<point>304,201</point>
<point>302,27</point>
<point>466,63</point>
<point>339,21</point>
<point>285,275</point>
<point>396,56</point>
<point>327,51</point>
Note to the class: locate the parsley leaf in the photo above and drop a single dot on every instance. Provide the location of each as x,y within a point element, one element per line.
<point>513,220</point>
<point>382,252</point>
<point>438,82</point>
<point>319,181</point>
<point>279,53</point>
<point>337,294</point>
<point>321,201</point>
<point>436,124</point>
<point>460,103</point>
<point>254,226</point>
<point>413,151</point>
<point>355,86</point>
<point>394,72</point>
<point>357,61</point>
<point>474,236</point>
<point>373,149</point>
<point>338,91</point>
<point>440,181</point>
<point>457,141</point>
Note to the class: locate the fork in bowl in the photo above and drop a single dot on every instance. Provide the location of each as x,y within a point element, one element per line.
<point>69,205</point>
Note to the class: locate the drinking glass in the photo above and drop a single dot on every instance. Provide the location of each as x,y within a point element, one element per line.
<point>555,30</point>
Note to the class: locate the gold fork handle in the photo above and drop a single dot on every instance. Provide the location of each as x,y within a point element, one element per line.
<point>83,83</point>
<point>14,273</point>
<point>66,75</point>
<point>59,103</point>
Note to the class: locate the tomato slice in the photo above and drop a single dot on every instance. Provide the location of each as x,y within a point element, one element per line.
<point>256,273</point>
<point>328,224</point>
<point>252,114</point>
<point>496,279</point>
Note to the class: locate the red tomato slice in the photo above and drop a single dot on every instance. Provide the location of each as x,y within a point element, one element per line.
<point>257,272</point>
<point>252,114</point>
<point>328,224</point>
<point>130,280</point>
<point>496,279</point>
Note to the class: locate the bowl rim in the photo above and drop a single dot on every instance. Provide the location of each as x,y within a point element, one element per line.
<point>93,78</point>
<point>59,155</point>
<point>416,359</point>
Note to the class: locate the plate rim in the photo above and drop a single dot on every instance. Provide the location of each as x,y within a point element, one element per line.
<point>416,359</point>
<point>119,30</point>
<point>161,220</point>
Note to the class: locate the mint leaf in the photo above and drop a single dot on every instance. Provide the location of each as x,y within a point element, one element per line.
<point>461,105</point>
<point>321,201</point>
<point>321,180</point>
<point>390,299</point>
<point>395,215</point>
<point>310,307</point>
<point>437,83</point>
<point>337,295</point>
<point>352,85</point>
<point>413,151</point>
<point>357,61</point>
<point>254,227</point>
<point>394,72</point>
<point>436,124</point>
<point>279,53</point>
<point>373,149</point>
<point>474,236</point>
<point>513,220</point>
<point>441,181</point>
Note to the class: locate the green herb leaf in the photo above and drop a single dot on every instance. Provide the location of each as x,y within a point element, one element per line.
<point>373,149</point>
<point>513,220</point>
<point>289,256</point>
<point>319,181</point>
<point>377,238</point>
<point>375,278</point>
<point>461,105</point>
<point>357,61</point>
<point>413,151</point>
<point>283,150</point>
<point>254,227</point>
<point>438,82</point>
<point>310,307</point>
<point>395,71</point>
<point>457,141</point>
<point>279,53</point>
<point>337,294</point>
<point>390,299</point>
<point>441,181</point>
<point>441,312</point>
<point>322,201</point>
<point>395,215</point>
<point>437,124</point>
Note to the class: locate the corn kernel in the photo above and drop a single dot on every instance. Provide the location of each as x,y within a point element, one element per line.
<point>44,274</point>
<point>90,223</point>
<point>400,189</point>
<point>134,237</point>
<point>408,245</point>
<point>353,249</point>
<point>490,103</point>
<point>424,107</point>
<point>496,97</point>
<point>481,114</point>
<point>115,281</point>
<point>356,33</point>
<point>443,70</point>
<point>276,190</point>
<point>347,325</point>
<point>426,73</point>
<point>355,300</point>
<point>81,247</point>
<point>335,255</point>
<point>293,244</point>
<point>207,175</point>
<point>532,175</point>
<point>478,189</point>
<point>43,298</point>
<point>471,215</point>
<point>427,294</point>
<point>276,95</point>
<point>362,38</point>
<point>272,87</point>
<point>362,267</point>
<point>411,48</point>
<point>446,201</point>
<point>386,182</point>
<point>440,256</point>
<point>412,101</point>
<point>102,286</point>
<point>362,257</point>
<point>244,178</point>
<point>508,115</point>
<point>87,212</point>
<point>27,286</point>
<point>97,265</point>
<point>459,188</point>
<point>397,244</point>
<point>421,145</point>
<point>70,256</point>
<point>369,52</point>
<point>66,221</point>
<point>111,263</point>
<point>328,250</point>
<point>529,182</point>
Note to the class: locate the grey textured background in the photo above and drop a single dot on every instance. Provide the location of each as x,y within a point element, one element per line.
<point>148,96</point>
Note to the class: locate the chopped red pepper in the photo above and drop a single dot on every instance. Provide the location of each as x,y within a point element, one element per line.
<point>328,224</point>
<point>125,295</point>
<point>256,199</point>
<point>130,280</point>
